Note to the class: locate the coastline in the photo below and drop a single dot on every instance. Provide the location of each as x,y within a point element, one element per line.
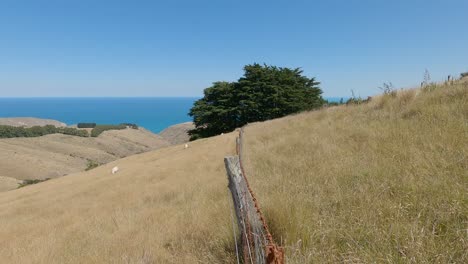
<point>154,114</point>
<point>57,155</point>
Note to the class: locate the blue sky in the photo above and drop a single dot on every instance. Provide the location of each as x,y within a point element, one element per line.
<point>178,48</point>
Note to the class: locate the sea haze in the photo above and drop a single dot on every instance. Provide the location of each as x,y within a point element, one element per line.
<point>152,113</point>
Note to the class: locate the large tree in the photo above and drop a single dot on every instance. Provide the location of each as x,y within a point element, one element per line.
<point>263,93</point>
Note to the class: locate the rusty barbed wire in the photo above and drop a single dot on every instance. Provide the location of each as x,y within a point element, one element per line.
<point>273,253</point>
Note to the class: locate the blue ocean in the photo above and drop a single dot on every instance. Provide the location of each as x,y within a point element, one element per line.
<point>152,113</point>
<point>336,99</point>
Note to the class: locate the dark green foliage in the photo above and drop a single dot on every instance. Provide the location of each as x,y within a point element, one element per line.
<point>37,131</point>
<point>91,165</point>
<point>101,128</point>
<point>86,125</point>
<point>29,182</point>
<point>263,93</point>
<point>216,112</point>
<point>73,132</point>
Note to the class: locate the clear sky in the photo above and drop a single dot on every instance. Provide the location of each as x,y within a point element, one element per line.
<point>178,48</point>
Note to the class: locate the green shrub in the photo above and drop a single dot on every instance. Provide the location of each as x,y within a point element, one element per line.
<point>73,132</point>
<point>37,131</point>
<point>91,165</point>
<point>101,128</point>
<point>86,125</point>
<point>30,182</point>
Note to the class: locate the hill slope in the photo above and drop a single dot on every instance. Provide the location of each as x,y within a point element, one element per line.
<point>29,121</point>
<point>379,182</point>
<point>8,183</point>
<point>56,155</point>
<point>165,206</point>
<point>177,134</point>
<point>384,181</point>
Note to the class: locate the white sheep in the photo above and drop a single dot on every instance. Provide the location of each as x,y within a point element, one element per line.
<point>115,170</point>
<point>186,146</point>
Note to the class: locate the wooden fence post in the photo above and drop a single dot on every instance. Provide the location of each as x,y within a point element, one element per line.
<point>256,240</point>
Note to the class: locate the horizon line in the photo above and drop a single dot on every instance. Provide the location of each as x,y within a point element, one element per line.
<point>116,97</point>
<point>80,97</point>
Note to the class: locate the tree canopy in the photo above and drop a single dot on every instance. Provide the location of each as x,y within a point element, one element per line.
<point>264,92</point>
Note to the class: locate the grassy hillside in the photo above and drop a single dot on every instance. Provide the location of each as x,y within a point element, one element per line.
<point>55,155</point>
<point>29,122</point>
<point>177,134</point>
<point>167,206</point>
<point>385,181</point>
<point>8,183</point>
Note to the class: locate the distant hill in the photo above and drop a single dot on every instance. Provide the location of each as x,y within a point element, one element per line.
<point>29,122</point>
<point>56,155</point>
<point>382,181</point>
<point>177,134</point>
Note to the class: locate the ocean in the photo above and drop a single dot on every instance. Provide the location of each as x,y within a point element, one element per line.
<point>336,99</point>
<point>152,113</point>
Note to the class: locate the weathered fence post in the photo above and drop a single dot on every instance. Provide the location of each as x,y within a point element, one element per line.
<point>257,242</point>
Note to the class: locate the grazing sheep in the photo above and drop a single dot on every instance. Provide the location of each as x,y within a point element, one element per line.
<point>115,170</point>
<point>186,146</point>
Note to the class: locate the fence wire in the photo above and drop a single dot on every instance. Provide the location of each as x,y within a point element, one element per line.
<point>256,242</point>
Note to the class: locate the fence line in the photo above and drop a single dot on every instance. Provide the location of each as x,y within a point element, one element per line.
<point>235,236</point>
<point>262,218</point>
<point>256,240</point>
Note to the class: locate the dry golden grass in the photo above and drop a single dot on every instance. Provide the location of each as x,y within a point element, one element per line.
<point>385,181</point>
<point>55,155</point>
<point>382,182</point>
<point>8,183</point>
<point>166,206</point>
